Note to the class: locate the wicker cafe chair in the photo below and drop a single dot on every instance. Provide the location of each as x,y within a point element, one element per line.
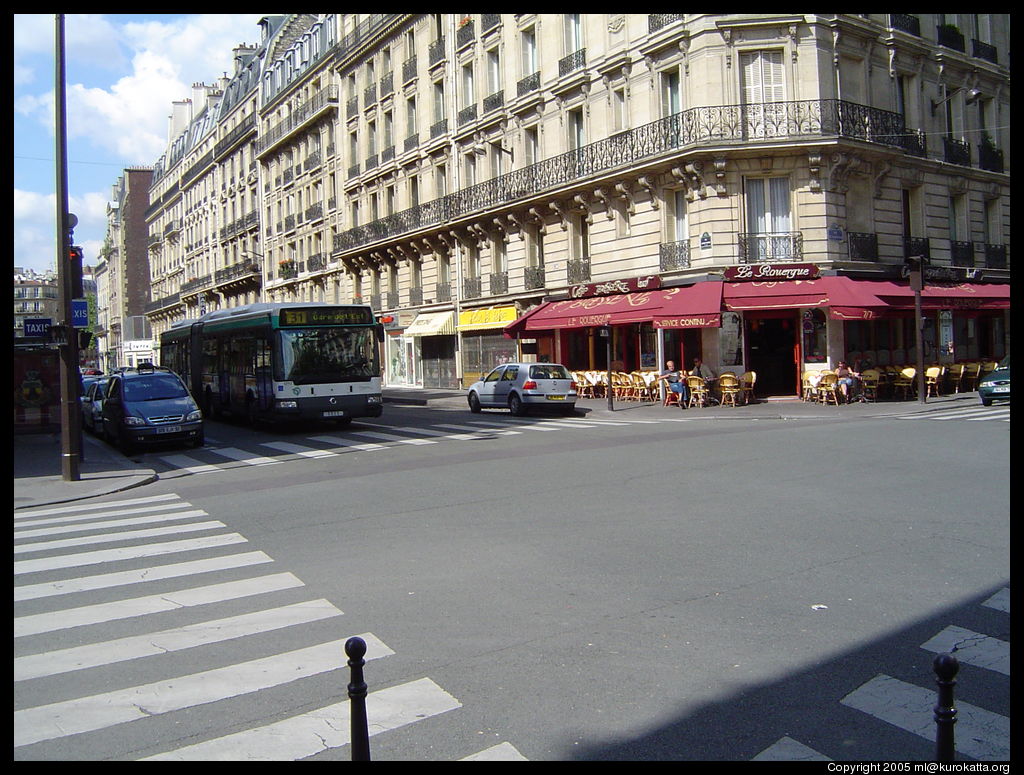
<point>970,379</point>
<point>906,382</point>
<point>808,385</point>
<point>828,389</point>
<point>729,387</point>
<point>869,380</point>
<point>932,376</point>
<point>954,375</point>
<point>747,383</point>
<point>698,391</point>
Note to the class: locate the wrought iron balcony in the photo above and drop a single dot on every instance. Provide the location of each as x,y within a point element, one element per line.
<point>467,114</point>
<point>472,287</point>
<point>533,277</point>
<point>905,23</point>
<point>949,35</point>
<point>956,151</point>
<point>990,158</point>
<point>770,246</point>
<point>984,51</point>
<point>863,246</point>
<point>435,53</point>
<point>465,34</point>
<point>528,84</point>
<point>916,246</point>
<point>995,256</point>
<point>287,270</point>
<point>499,283</point>
<point>688,130</point>
<point>494,101</point>
<point>575,61</point>
<point>674,255</point>
<point>961,253</point>
<point>416,295</point>
<point>655,21</point>
<point>578,270</point>
<point>409,69</point>
<point>443,291</point>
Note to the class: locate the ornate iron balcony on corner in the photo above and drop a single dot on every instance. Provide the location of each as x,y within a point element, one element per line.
<point>674,255</point>
<point>578,271</point>
<point>499,283</point>
<point>759,248</point>
<point>533,277</point>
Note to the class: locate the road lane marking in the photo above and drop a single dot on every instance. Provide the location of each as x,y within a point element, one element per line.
<point>324,728</point>
<point>972,648</point>
<point>139,576</point>
<point>177,639</point>
<point>64,519</point>
<point>127,535</point>
<point>126,553</point>
<point>298,449</point>
<point>390,437</point>
<point>68,618</point>
<point>80,507</point>
<point>190,464</point>
<point>243,457</point>
<point>342,443</point>
<point>113,523</point>
<point>99,711</point>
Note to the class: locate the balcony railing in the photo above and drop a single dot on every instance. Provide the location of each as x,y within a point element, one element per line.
<point>435,53</point>
<point>655,21</point>
<point>995,256</point>
<point>687,130</point>
<point>770,246</point>
<point>533,277</point>
<point>578,270</point>
<point>950,37</point>
<point>674,255</point>
<point>984,51</point>
<point>443,291</point>
<point>990,158</point>
<point>956,151</point>
<point>409,69</point>
<point>575,61</point>
<point>499,283</point>
<point>528,84</point>
<point>416,295</point>
<point>472,287</point>
<point>863,246</point>
<point>961,253</point>
<point>916,246</point>
<point>905,23</point>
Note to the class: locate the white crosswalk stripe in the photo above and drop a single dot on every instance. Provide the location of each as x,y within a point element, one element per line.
<point>391,437</point>
<point>298,449</point>
<point>60,713</point>
<point>979,733</point>
<point>972,413</point>
<point>243,457</point>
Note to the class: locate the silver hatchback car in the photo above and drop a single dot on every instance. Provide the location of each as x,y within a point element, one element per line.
<point>520,386</point>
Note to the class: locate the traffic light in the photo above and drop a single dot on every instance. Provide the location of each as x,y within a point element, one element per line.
<point>75,259</point>
<point>915,263</point>
<point>84,339</point>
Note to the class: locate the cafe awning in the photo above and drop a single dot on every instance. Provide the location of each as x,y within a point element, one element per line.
<point>694,306</point>
<point>432,324</point>
<point>782,294</point>
<point>491,317</point>
<point>954,296</point>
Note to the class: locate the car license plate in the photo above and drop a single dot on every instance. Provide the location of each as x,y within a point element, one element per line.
<point>336,413</point>
<point>555,398</point>
<point>1001,389</point>
<point>169,429</point>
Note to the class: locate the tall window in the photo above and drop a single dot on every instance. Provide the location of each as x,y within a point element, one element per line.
<point>574,126</point>
<point>528,40</point>
<point>531,145</point>
<point>678,228</point>
<point>468,90</point>
<point>768,219</point>
<point>493,71</point>
<point>573,33</point>
<point>763,92</point>
<point>671,99</point>
<point>438,101</point>
<point>410,117</point>
<point>620,116</point>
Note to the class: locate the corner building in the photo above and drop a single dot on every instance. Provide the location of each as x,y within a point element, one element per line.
<point>744,188</point>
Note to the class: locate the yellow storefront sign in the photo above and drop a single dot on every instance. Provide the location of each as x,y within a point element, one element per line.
<point>493,317</point>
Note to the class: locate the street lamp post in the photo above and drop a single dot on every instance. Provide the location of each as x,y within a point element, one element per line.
<point>917,285</point>
<point>70,409</point>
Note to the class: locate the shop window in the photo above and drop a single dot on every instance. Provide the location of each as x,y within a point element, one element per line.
<point>815,343</point>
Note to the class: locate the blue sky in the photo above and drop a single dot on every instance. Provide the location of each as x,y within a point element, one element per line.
<point>123,71</point>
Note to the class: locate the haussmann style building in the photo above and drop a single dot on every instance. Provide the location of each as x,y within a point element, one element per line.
<point>747,188</point>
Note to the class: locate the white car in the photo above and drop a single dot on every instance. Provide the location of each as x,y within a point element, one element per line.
<point>521,386</point>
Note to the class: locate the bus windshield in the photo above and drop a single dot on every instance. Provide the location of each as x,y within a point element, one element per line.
<point>314,355</point>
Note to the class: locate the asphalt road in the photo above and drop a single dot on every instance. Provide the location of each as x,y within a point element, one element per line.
<point>673,590</point>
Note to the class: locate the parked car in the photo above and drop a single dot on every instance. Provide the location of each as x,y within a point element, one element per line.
<point>149,405</point>
<point>92,405</point>
<point>521,386</point>
<point>996,384</point>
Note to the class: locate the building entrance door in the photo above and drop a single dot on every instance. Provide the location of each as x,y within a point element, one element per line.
<point>773,352</point>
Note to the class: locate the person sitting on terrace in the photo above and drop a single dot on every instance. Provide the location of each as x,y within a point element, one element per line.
<point>674,379</point>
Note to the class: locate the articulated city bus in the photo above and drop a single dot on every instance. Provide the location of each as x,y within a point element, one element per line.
<point>280,361</point>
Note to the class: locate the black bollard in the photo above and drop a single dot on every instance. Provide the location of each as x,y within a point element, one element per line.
<point>355,648</point>
<point>946,667</point>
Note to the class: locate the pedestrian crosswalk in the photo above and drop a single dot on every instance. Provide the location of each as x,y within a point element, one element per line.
<point>980,733</point>
<point>952,413</point>
<point>214,457</point>
<point>84,607</point>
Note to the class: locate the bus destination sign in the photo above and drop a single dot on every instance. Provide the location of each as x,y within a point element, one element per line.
<point>325,316</point>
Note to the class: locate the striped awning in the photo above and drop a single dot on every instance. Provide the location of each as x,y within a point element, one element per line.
<point>432,324</point>
<point>491,317</point>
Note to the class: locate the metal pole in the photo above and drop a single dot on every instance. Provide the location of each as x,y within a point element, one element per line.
<point>919,343</point>
<point>70,383</point>
<point>946,667</point>
<point>607,331</point>
<point>355,648</point>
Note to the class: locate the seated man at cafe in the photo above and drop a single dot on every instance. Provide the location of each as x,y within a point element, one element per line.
<point>674,379</point>
<point>702,370</point>
<point>848,381</point>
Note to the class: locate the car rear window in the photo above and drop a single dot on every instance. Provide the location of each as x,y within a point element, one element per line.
<point>548,371</point>
<point>153,387</point>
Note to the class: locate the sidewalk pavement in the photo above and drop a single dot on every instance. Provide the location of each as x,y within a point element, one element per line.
<point>103,470</point>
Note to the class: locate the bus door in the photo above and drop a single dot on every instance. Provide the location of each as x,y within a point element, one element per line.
<point>264,377</point>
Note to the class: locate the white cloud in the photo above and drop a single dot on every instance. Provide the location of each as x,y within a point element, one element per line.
<point>35,227</point>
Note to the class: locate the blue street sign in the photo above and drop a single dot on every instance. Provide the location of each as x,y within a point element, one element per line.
<point>38,326</point>
<point>79,313</point>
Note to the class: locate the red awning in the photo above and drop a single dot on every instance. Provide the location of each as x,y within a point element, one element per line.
<point>960,296</point>
<point>693,306</point>
<point>783,294</point>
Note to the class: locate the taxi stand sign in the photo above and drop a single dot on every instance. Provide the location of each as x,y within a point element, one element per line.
<point>79,313</point>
